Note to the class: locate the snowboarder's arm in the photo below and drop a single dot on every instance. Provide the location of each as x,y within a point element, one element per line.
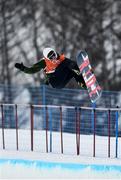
<point>33,69</point>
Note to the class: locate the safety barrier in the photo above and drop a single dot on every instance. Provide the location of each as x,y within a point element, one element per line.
<point>60,131</point>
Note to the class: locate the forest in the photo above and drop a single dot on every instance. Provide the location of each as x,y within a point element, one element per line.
<point>27,26</point>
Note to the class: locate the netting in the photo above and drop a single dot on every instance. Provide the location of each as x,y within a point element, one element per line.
<point>60,115</point>
<point>47,95</point>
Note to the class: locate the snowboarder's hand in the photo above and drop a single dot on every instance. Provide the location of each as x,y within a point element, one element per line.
<point>20,66</point>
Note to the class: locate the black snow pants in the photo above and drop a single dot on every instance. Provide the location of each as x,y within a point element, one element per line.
<point>67,70</point>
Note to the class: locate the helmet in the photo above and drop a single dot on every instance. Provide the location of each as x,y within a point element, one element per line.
<point>49,53</point>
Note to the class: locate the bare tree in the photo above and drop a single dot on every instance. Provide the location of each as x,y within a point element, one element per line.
<point>68,26</point>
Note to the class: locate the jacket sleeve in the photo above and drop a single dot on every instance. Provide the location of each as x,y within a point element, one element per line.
<point>35,68</point>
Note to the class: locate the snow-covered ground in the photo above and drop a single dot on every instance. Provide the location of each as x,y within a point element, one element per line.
<point>69,142</point>
<point>49,165</point>
<point>39,164</point>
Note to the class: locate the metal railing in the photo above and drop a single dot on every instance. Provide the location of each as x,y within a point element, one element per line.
<point>78,123</point>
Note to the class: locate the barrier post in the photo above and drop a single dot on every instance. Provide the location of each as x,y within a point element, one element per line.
<point>16,119</point>
<point>94,131</point>
<point>61,128</point>
<point>32,125</point>
<point>78,129</point>
<point>46,129</point>
<point>93,122</point>
<point>50,126</point>
<point>116,133</point>
<point>3,137</point>
<point>109,133</point>
<point>44,103</point>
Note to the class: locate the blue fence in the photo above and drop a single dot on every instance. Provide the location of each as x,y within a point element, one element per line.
<point>45,95</point>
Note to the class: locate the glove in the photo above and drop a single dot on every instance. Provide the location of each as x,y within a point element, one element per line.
<point>20,66</point>
<point>82,85</point>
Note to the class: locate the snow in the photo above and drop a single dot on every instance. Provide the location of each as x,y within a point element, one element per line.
<point>73,168</point>
<point>21,171</point>
<point>25,163</point>
<point>58,158</point>
<point>69,142</point>
<point>24,95</point>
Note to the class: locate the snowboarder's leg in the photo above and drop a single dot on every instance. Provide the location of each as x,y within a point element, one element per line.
<point>80,80</point>
<point>76,74</point>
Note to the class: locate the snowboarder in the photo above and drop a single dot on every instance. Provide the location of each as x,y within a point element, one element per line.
<point>59,70</point>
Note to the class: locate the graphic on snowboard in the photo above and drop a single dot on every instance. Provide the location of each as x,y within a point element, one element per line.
<point>93,87</point>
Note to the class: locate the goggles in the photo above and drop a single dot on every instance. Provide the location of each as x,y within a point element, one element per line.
<point>52,55</point>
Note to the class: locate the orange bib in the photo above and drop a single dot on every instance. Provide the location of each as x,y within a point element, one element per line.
<point>52,65</point>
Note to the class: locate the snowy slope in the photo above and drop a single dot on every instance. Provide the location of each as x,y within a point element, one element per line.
<point>38,164</point>
<point>50,166</point>
<point>69,143</point>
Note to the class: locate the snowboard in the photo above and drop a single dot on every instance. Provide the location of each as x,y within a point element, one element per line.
<point>91,82</point>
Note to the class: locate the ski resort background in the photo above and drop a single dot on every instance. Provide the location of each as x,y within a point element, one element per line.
<point>29,26</point>
<point>34,118</point>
